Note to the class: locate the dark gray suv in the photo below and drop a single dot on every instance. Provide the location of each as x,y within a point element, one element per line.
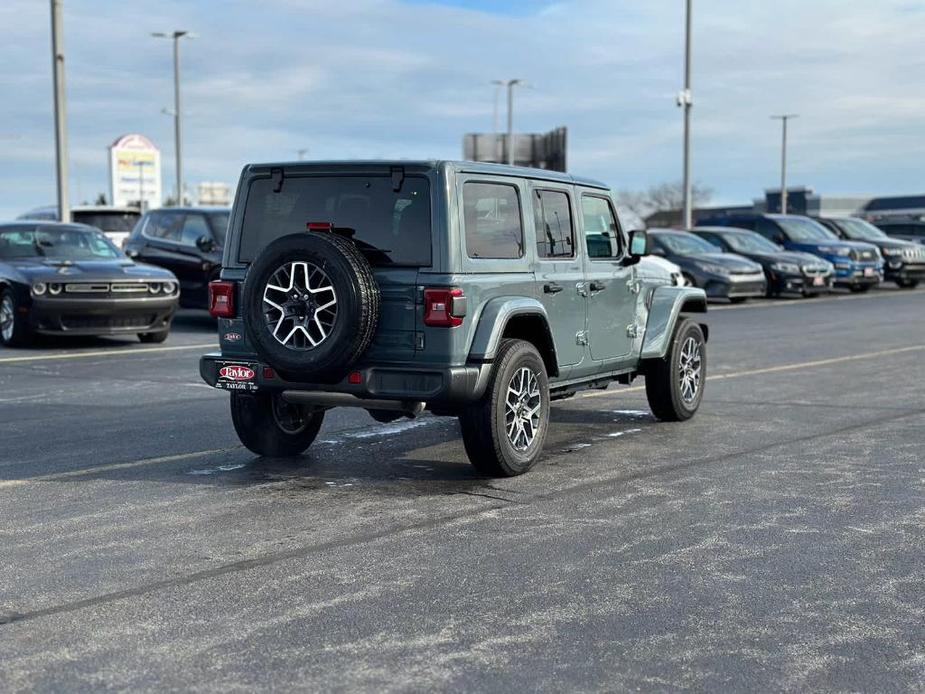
<point>476,291</point>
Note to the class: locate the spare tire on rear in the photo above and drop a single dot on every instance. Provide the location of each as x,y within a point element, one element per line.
<point>311,306</point>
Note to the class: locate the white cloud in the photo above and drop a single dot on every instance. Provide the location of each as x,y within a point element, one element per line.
<point>385,78</point>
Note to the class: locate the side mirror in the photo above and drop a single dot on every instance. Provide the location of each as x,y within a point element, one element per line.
<point>205,244</point>
<point>638,246</point>
<point>779,239</point>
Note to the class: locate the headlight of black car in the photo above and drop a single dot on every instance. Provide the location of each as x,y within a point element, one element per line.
<point>39,288</point>
<point>713,269</point>
<point>787,268</point>
<point>169,287</point>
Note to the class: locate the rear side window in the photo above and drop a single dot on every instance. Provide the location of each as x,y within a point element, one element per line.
<point>390,227</point>
<point>602,235</point>
<point>165,225</point>
<point>493,221</point>
<point>554,232</point>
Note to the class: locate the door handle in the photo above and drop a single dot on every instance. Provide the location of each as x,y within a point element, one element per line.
<point>552,288</point>
<point>598,286</point>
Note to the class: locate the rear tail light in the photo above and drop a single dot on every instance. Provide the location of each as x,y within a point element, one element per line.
<point>221,299</point>
<point>444,307</point>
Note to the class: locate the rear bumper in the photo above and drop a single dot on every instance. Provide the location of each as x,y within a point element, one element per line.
<point>447,387</point>
<point>58,315</point>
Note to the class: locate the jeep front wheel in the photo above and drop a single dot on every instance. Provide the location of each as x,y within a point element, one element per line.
<point>268,425</point>
<point>674,384</point>
<point>505,431</point>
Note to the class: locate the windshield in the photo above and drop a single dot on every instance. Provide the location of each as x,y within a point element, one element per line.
<point>391,228</point>
<point>859,230</point>
<point>686,244</point>
<point>219,222</point>
<point>750,243</point>
<point>800,229</point>
<point>60,243</point>
<point>116,220</point>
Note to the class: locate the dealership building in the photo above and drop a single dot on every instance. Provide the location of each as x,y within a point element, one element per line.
<point>802,200</point>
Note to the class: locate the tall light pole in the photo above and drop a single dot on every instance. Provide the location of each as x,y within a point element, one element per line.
<point>510,118</point>
<point>783,118</point>
<point>176,36</point>
<point>686,101</point>
<point>301,153</point>
<point>57,66</point>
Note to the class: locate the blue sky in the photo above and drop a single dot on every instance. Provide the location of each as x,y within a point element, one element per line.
<point>407,78</point>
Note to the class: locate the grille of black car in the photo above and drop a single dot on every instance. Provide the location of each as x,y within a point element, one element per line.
<point>815,269</point>
<point>81,322</point>
<point>106,287</point>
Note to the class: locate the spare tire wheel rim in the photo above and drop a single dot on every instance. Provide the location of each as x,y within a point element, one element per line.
<point>523,407</point>
<point>300,305</point>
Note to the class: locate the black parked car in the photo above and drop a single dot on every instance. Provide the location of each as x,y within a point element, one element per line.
<point>906,229</point>
<point>788,272</point>
<point>858,265</point>
<point>188,241</point>
<point>720,275</point>
<point>70,279</point>
<point>904,261</point>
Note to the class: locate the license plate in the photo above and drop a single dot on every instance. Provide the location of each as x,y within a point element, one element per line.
<point>818,281</point>
<point>868,272</point>
<point>234,375</point>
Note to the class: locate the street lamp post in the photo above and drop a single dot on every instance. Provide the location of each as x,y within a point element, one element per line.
<point>176,36</point>
<point>686,101</point>
<point>57,66</point>
<point>783,158</point>
<point>510,84</point>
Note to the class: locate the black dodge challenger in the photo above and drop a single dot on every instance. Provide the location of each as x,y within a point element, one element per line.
<point>69,279</point>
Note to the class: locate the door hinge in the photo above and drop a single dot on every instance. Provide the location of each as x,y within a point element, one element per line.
<point>632,330</point>
<point>581,337</point>
<point>634,286</point>
<point>581,288</point>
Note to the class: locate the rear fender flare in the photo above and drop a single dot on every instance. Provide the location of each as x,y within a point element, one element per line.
<point>494,319</point>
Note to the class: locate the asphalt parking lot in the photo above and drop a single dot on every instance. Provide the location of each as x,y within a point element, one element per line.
<point>775,541</point>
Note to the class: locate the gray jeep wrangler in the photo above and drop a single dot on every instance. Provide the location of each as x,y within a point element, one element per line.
<point>476,291</point>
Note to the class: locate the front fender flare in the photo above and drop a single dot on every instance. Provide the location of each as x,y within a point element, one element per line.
<point>667,304</point>
<point>493,319</point>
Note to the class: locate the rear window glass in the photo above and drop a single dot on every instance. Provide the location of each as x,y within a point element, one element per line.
<point>391,228</point>
<point>493,226</point>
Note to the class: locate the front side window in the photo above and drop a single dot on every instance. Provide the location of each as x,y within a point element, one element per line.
<point>194,227</point>
<point>493,221</point>
<point>554,235</point>
<point>602,235</point>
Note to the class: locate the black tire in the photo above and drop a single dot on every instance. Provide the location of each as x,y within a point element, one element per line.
<point>859,288</point>
<point>18,332</point>
<point>357,308</point>
<point>484,424</point>
<point>738,299</point>
<point>907,284</point>
<point>257,421</point>
<point>153,338</point>
<point>663,376</point>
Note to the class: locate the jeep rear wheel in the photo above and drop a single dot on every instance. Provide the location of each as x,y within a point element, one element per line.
<point>674,384</point>
<point>311,306</point>
<point>269,426</point>
<point>505,431</point>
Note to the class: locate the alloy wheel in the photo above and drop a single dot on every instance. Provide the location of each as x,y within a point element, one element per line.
<point>690,370</point>
<point>522,408</point>
<point>7,317</point>
<point>290,418</point>
<point>300,305</point>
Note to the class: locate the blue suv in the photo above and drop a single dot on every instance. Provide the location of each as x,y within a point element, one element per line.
<point>858,265</point>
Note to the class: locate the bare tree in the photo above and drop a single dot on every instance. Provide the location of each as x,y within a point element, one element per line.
<point>665,197</point>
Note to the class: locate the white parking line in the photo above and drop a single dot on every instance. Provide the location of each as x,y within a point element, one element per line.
<point>106,353</point>
<point>776,369</point>
<point>55,476</point>
<point>6,484</point>
<point>784,303</point>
